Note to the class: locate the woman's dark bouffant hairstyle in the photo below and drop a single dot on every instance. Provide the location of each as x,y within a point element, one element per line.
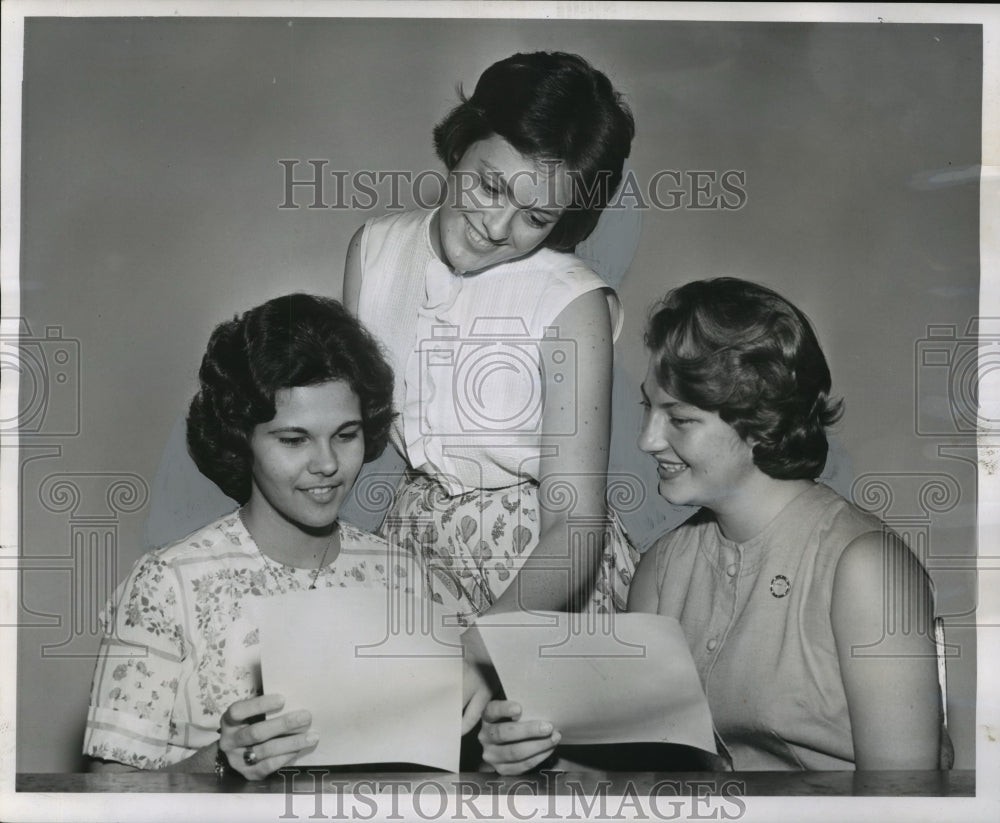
<point>549,106</point>
<point>743,351</point>
<point>291,341</point>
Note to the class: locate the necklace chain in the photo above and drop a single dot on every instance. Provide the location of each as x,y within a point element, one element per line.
<point>267,560</point>
<point>322,561</point>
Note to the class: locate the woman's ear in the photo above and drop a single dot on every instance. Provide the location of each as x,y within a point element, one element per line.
<point>748,437</point>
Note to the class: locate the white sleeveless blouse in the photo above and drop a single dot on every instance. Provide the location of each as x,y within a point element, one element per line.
<point>475,356</point>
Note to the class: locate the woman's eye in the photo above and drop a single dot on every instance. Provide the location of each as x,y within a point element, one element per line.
<point>348,436</point>
<point>681,421</point>
<point>488,186</point>
<point>538,222</point>
<point>291,441</point>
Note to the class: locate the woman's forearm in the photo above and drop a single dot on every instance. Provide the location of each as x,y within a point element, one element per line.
<point>201,762</point>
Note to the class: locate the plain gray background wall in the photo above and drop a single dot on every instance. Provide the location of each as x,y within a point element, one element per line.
<point>151,188</point>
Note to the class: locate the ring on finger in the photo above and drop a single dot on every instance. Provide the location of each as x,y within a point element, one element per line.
<point>249,756</point>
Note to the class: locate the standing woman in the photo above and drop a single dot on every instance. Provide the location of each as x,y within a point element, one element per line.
<point>502,341</point>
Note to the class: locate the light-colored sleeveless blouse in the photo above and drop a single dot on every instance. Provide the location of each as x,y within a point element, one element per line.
<point>474,355</point>
<point>757,618</point>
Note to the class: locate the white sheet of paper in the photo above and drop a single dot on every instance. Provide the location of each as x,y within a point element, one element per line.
<point>630,679</point>
<point>375,697</point>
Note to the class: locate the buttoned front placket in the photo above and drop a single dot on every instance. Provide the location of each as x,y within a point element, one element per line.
<point>727,573</point>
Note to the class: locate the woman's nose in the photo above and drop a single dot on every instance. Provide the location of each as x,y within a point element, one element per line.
<point>651,436</point>
<point>496,221</point>
<point>324,460</point>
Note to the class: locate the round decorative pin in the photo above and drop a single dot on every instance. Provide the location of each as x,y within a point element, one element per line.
<point>780,586</point>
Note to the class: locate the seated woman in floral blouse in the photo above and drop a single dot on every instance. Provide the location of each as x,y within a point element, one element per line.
<point>295,396</point>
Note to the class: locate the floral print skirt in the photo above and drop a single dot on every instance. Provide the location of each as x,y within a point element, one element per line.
<point>472,544</point>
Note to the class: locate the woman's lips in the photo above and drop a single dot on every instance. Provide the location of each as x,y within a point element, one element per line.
<point>669,469</point>
<point>477,240</point>
<point>322,494</point>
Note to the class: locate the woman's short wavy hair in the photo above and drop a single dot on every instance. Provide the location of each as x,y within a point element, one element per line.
<point>742,350</point>
<point>550,106</point>
<point>294,340</point>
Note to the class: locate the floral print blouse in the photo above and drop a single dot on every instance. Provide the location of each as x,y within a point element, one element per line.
<point>181,642</point>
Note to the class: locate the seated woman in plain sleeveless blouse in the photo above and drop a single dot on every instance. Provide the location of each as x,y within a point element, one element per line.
<point>781,586</point>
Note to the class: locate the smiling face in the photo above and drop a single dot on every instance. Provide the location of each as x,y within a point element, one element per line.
<point>701,460</point>
<point>500,205</point>
<point>306,459</point>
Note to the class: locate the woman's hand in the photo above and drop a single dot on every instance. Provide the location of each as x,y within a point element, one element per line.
<point>513,746</point>
<point>266,744</point>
